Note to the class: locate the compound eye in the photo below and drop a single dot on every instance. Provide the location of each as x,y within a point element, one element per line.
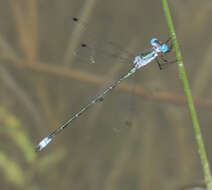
<point>164,48</point>
<point>153,40</point>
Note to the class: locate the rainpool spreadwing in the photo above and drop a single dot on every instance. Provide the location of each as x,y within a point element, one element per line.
<point>157,53</point>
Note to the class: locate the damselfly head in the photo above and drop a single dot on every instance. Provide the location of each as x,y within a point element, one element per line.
<point>157,46</point>
<point>164,48</point>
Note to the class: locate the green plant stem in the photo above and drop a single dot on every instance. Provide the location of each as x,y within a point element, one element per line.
<point>197,131</point>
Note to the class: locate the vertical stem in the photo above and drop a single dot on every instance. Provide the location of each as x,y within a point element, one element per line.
<point>182,73</point>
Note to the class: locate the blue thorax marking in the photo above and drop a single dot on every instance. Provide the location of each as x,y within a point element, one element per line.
<point>147,55</point>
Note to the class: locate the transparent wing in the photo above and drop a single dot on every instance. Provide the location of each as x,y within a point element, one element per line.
<point>91,50</point>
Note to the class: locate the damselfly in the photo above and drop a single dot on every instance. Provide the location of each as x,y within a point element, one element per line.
<point>156,52</point>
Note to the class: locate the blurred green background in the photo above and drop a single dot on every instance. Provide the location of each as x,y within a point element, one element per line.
<point>141,135</point>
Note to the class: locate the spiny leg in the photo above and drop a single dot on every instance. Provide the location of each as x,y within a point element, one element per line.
<point>165,62</point>
<point>159,65</point>
<point>167,40</point>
